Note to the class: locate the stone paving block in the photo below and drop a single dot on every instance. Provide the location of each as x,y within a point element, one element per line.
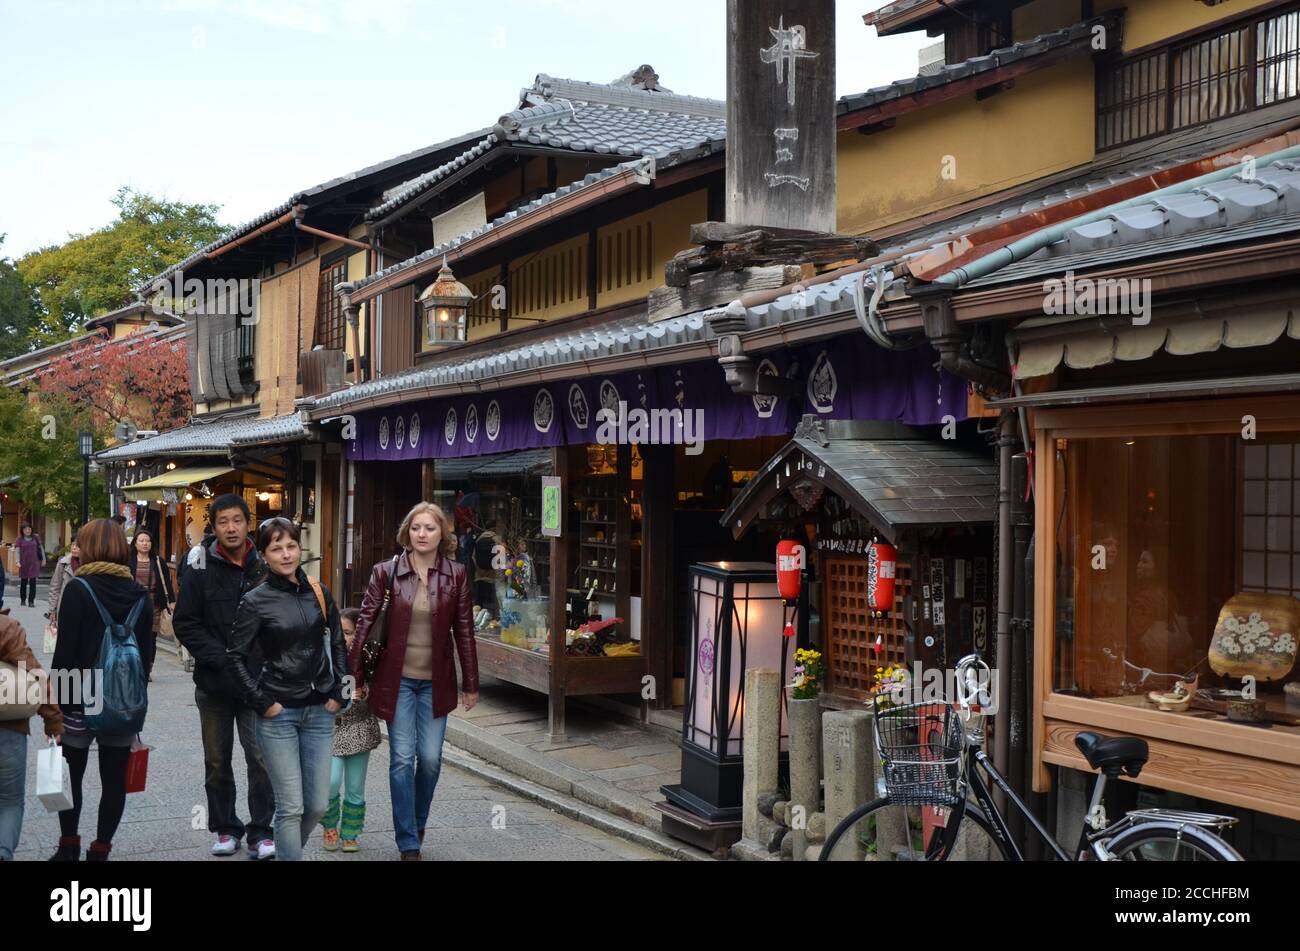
<point>650,784</point>
<point>634,771</point>
<point>591,758</point>
<point>664,761</point>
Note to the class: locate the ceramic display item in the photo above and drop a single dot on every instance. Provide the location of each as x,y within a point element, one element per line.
<point>1256,636</point>
<point>1246,711</point>
<point>1176,700</point>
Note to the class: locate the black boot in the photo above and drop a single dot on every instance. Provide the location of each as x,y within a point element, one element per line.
<point>69,849</point>
<point>98,852</point>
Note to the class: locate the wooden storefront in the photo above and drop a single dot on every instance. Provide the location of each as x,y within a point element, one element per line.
<point>1148,520</point>
<point>842,485</point>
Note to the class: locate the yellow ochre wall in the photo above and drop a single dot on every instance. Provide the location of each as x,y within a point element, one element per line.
<point>1041,126</point>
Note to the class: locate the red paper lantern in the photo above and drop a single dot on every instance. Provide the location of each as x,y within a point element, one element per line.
<point>790,560</point>
<point>882,567</point>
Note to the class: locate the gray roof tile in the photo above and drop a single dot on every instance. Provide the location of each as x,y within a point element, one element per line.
<point>213,438</point>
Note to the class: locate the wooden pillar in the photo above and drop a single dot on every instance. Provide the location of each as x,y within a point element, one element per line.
<point>781,113</point>
<point>657,635</point>
<point>426,480</point>
<point>559,599</point>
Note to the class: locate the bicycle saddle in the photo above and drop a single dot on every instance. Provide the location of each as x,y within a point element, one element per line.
<point>1113,754</point>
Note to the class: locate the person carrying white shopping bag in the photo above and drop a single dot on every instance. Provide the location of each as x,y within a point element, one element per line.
<point>53,779</point>
<point>20,664</point>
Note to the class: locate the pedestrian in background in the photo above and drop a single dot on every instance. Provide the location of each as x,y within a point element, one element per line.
<point>31,557</point>
<point>152,575</point>
<point>291,621</point>
<point>103,581</point>
<point>356,733</point>
<point>414,687</point>
<point>13,740</point>
<point>65,569</point>
<point>220,572</point>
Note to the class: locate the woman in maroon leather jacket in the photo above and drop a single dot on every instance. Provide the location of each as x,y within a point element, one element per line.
<point>414,688</point>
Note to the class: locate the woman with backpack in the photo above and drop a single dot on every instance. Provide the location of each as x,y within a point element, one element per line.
<point>291,621</point>
<point>102,594</point>
<point>31,556</point>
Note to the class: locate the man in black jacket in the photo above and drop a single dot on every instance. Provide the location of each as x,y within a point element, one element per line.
<point>217,575</point>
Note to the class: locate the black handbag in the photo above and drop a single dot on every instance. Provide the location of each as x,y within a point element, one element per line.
<point>372,651</point>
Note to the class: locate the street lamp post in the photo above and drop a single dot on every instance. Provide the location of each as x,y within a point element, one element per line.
<point>86,443</point>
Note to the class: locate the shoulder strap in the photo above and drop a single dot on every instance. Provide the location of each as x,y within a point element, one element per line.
<point>320,598</point>
<point>129,623</point>
<point>108,621</point>
<point>392,578</point>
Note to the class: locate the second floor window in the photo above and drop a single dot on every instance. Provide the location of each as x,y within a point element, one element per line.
<point>1232,69</point>
<point>330,328</point>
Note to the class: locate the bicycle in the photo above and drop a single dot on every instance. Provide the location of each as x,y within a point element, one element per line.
<point>932,759</point>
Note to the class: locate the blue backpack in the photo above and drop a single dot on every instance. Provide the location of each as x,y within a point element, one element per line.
<point>123,697</point>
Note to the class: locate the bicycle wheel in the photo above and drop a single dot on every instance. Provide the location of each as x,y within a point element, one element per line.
<point>1170,842</point>
<point>882,831</point>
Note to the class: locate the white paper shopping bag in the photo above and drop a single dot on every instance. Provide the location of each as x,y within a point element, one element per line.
<point>53,783</point>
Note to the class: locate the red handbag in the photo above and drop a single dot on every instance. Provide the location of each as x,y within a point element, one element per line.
<point>137,766</point>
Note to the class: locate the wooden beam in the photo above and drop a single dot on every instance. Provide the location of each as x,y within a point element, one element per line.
<point>716,288</point>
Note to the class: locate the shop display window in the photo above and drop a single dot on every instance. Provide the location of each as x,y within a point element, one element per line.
<point>495,504</point>
<point>1178,561</point>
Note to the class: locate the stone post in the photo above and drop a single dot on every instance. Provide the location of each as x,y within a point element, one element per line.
<point>762,745</point>
<point>846,739</point>
<point>805,772</point>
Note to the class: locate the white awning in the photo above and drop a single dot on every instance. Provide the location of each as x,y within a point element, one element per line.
<point>1083,343</point>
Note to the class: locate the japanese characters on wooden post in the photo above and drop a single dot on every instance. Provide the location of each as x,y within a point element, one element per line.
<point>781,113</point>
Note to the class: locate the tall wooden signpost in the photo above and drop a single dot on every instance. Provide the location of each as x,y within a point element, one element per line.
<point>781,114</point>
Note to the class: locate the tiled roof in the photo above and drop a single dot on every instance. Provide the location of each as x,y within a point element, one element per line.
<point>644,168</point>
<point>978,64</point>
<point>300,197</point>
<point>899,482</point>
<point>214,438</point>
<point>631,335</point>
<point>1230,211</point>
<point>603,119</point>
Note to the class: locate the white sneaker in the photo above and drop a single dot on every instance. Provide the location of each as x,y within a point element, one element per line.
<point>262,851</point>
<point>225,845</point>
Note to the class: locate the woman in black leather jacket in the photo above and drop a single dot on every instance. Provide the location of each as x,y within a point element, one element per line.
<point>291,620</point>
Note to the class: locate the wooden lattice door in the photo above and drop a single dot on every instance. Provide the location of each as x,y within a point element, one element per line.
<point>851,631</point>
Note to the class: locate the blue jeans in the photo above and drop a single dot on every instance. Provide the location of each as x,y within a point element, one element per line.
<point>414,761</point>
<point>296,746</point>
<point>13,780</point>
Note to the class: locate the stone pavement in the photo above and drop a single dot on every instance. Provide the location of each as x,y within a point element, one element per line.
<point>616,766</point>
<point>158,824</point>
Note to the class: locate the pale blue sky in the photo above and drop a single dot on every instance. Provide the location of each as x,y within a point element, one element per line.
<point>241,103</point>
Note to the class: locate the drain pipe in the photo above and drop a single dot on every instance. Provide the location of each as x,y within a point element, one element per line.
<point>1024,247</point>
<point>945,336</point>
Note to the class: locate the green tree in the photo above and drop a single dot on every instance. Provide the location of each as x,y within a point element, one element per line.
<point>17,309</point>
<point>39,446</point>
<point>92,274</point>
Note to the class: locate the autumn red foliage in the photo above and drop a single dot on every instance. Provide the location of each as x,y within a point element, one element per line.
<point>142,378</point>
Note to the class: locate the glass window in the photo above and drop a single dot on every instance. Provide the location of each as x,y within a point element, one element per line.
<point>1149,554</point>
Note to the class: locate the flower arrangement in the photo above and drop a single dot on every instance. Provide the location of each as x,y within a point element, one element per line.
<point>807,674</point>
<point>890,682</point>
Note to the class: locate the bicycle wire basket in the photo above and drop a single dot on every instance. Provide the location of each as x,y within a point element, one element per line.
<point>920,746</point>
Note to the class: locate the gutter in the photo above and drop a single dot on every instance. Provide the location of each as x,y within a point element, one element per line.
<point>1022,248</point>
